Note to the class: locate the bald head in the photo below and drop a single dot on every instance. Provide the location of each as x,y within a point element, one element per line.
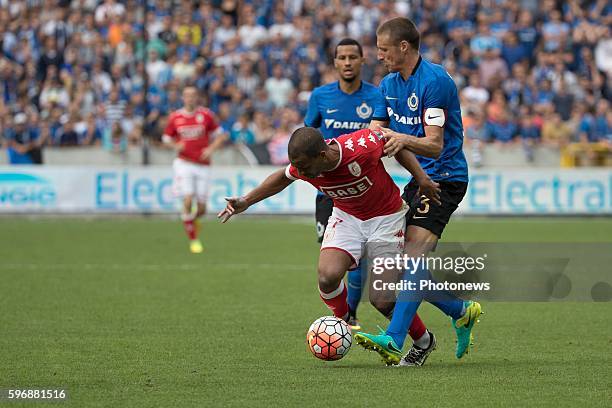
<point>306,141</point>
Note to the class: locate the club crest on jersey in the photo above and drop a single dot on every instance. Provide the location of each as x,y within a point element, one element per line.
<point>364,111</point>
<point>413,102</point>
<point>355,169</point>
<point>199,118</point>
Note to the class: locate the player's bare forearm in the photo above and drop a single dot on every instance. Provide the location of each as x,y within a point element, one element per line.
<point>273,184</point>
<point>429,146</point>
<point>408,160</point>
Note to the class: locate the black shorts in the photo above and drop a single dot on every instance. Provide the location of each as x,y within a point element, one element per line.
<point>425,214</point>
<point>323,211</point>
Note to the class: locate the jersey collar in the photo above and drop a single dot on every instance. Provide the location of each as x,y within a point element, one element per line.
<point>356,91</point>
<point>416,66</point>
<point>414,70</point>
<point>184,112</point>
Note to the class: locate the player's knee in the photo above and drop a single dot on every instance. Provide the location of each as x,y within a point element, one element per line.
<point>383,304</point>
<point>329,278</point>
<point>420,243</point>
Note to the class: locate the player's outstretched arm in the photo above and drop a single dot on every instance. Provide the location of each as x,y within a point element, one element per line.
<point>427,186</point>
<point>273,184</point>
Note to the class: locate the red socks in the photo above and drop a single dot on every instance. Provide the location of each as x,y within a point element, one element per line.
<point>336,301</point>
<point>417,328</point>
<point>189,224</point>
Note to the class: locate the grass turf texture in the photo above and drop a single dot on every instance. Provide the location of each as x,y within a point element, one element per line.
<point>119,313</point>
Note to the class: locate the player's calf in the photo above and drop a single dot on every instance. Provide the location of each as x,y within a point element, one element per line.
<point>336,301</point>
<point>332,267</point>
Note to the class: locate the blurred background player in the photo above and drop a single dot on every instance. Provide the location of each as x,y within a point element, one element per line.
<point>338,108</point>
<point>367,207</point>
<point>420,105</point>
<point>193,131</point>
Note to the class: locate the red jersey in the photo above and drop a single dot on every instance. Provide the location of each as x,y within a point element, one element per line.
<point>359,184</point>
<point>193,129</point>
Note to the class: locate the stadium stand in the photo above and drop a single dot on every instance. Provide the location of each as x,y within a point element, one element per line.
<point>534,77</point>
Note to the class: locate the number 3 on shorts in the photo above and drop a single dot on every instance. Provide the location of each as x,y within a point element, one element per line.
<point>424,208</point>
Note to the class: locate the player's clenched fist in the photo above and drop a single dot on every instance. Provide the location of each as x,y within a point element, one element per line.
<point>235,205</point>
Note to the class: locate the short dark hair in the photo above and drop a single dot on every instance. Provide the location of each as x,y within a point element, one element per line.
<point>401,29</point>
<point>348,41</point>
<point>306,141</point>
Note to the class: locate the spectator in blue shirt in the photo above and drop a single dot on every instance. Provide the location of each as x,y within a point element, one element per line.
<point>484,41</point>
<point>500,23</point>
<point>586,129</point>
<point>545,94</point>
<point>555,32</point>
<point>609,127</point>
<point>530,134</point>
<point>67,135</point>
<point>527,32</point>
<point>226,115</point>
<point>503,131</point>
<point>601,127</point>
<point>241,130</point>
<point>88,131</point>
<point>24,143</point>
<point>114,140</point>
<point>513,51</point>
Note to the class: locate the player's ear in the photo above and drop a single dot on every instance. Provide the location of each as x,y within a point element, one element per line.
<point>404,46</point>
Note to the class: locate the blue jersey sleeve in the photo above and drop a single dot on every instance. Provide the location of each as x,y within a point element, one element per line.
<point>313,116</point>
<point>380,103</point>
<point>437,97</point>
<point>436,93</point>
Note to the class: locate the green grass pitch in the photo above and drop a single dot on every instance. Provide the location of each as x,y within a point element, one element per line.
<point>119,313</point>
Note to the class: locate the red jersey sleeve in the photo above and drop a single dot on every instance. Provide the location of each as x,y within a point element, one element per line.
<point>171,127</point>
<point>291,172</point>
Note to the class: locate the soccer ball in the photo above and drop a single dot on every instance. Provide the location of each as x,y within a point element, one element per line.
<point>329,338</point>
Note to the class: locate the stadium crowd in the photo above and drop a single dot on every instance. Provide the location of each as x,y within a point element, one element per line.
<point>72,72</point>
